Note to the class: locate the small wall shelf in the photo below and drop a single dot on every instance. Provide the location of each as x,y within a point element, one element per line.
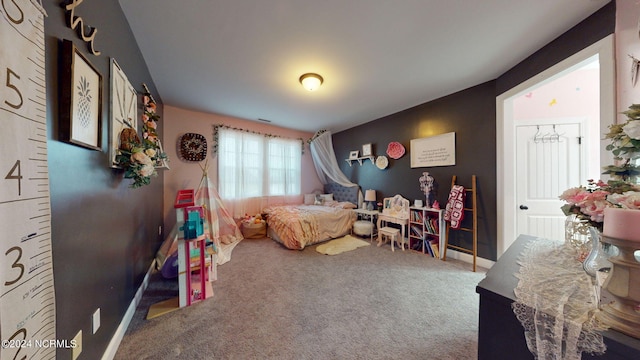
<point>360,159</point>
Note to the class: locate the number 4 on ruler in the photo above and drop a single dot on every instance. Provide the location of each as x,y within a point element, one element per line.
<point>12,175</point>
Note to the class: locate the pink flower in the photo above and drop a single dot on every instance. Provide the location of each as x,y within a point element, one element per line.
<point>595,209</point>
<point>574,195</point>
<point>597,195</point>
<point>145,117</point>
<point>152,124</point>
<point>395,150</point>
<point>626,200</point>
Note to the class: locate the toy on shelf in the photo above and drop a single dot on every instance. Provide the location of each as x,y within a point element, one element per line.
<point>193,256</point>
<point>193,228</point>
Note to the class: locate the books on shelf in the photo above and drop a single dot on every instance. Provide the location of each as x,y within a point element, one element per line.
<point>425,230</point>
<point>416,215</point>
<point>435,247</point>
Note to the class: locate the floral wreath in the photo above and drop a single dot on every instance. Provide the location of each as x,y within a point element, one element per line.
<point>139,158</point>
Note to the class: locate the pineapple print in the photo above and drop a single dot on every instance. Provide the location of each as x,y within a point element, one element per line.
<point>84,103</point>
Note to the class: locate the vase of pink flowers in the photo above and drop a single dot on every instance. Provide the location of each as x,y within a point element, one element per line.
<point>587,204</point>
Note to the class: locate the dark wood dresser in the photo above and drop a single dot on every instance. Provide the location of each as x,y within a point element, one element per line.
<point>500,334</point>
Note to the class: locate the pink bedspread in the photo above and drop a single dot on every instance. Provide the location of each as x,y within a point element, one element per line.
<point>297,226</point>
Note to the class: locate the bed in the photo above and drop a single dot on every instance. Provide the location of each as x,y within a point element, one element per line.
<point>322,217</point>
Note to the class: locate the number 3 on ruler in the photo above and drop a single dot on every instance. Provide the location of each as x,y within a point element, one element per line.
<point>16,265</point>
<point>12,175</point>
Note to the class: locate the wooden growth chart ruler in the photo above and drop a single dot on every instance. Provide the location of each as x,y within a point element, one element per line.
<point>27,297</point>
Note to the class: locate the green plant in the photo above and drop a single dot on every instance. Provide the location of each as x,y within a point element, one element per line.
<point>625,146</point>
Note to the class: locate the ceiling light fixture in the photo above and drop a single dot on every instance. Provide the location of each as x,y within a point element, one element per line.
<point>311,81</point>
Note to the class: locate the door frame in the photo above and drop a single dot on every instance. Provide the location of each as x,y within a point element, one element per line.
<point>505,128</point>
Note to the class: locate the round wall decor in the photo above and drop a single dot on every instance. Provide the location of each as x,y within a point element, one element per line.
<point>395,150</point>
<point>192,147</point>
<point>382,162</point>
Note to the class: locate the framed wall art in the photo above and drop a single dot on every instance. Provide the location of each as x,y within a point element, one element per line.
<point>80,99</point>
<point>438,150</point>
<point>161,161</point>
<point>192,147</point>
<point>124,109</point>
<point>366,150</point>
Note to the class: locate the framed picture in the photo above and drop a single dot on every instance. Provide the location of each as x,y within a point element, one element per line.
<point>80,99</point>
<point>438,150</point>
<point>366,150</point>
<point>353,155</point>
<point>124,109</point>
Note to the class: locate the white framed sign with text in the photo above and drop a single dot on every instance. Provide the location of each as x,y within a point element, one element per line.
<point>438,150</point>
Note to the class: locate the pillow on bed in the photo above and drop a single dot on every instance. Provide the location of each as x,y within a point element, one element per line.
<point>309,199</point>
<point>340,204</point>
<point>326,197</point>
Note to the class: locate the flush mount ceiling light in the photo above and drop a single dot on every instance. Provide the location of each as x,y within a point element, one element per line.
<point>311,81</point>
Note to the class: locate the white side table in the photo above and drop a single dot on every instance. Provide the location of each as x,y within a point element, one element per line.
<point>371,215</point>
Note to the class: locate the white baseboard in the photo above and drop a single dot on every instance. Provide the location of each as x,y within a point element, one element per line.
<point>111,350</point>
<point>468,258</point>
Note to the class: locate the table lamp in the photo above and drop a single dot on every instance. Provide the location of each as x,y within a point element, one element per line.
<point>370,198</point>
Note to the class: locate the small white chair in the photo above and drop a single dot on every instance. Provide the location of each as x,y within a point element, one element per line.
<point>392,234</point>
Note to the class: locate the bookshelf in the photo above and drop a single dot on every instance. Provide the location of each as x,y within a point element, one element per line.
<point>426,231</point>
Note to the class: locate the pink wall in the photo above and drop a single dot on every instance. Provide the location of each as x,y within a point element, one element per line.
<point>573,95</point>
<point>627,43</point>
<point>186,175</point>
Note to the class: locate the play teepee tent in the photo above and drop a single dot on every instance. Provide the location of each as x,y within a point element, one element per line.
<point>219,227</point>
<point>219,224</point>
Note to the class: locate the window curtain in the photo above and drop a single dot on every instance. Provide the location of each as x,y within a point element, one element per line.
<point>255,171</point>
<point>240,162</point>
<point>324,160</point>
<point>284,171</point>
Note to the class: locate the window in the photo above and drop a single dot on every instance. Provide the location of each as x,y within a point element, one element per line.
<point>254,165</point>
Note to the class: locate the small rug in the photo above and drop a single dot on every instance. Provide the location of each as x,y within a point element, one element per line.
<point>340,245</point>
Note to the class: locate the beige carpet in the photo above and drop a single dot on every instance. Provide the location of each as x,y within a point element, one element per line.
<point>340,245</point>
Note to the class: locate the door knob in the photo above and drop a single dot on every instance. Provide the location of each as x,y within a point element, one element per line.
<point>524,207</point>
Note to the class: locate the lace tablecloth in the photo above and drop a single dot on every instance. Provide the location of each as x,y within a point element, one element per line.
<point>556,302</point>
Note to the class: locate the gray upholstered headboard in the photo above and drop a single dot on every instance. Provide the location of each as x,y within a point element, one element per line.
<point>341,193</point>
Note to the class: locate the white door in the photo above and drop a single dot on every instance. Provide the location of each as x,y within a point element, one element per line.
<point>549,160</point>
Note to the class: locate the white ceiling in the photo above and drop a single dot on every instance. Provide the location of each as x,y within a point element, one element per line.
<point>243,58</point>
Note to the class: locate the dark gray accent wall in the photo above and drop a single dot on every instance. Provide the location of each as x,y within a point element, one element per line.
<point>591,30</point>
<point>104,234</point>
<point>471,114</point>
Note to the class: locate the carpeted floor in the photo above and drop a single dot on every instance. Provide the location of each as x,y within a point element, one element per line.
<point>275,303</point>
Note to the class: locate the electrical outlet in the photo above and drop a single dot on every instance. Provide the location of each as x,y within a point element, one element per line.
<point>95,321</point>
<point>75,352</point>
